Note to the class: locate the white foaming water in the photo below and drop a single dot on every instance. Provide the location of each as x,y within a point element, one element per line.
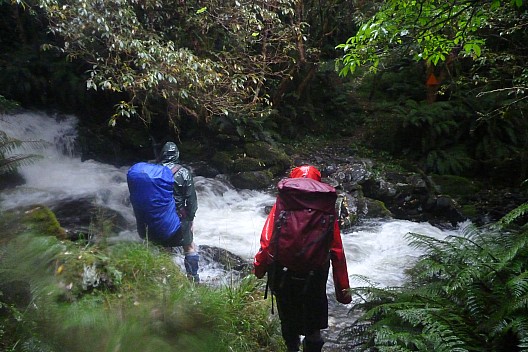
<point>226,218</point>
<point>381,252</point>
<point>60,174</point>
<point>229,218</point>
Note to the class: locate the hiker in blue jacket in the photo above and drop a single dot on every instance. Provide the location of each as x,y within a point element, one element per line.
<point>186,204</point>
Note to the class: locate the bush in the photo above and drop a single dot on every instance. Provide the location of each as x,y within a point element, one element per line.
<point>467,293</point>
<point>58,295</point>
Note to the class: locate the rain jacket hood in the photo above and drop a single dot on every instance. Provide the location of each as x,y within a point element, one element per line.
<point>306,171</point>
<point>170,155</point>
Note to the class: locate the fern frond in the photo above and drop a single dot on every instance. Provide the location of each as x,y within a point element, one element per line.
<point>513,215</point>
<point>12,163</point>
<point>518,285</point>
<point>446,304</point>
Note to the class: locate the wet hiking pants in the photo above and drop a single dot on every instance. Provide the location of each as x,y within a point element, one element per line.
<point>302,304</point>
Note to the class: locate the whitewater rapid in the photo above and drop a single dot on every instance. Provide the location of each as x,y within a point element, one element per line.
<point>227,218</point>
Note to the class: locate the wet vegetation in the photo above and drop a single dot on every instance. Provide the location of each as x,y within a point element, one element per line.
<point>438,87</point>
<point>59,295</point>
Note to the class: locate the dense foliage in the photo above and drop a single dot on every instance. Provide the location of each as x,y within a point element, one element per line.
<point>58,295</point>
<point>233,61</point>
<point>201,58</point>
<point>429,30</point>
<point>466,293</point>
<point>449,81</point>
<point>246,71</point>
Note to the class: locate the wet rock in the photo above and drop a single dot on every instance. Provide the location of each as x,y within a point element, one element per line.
<point>274,159</point>
<point>10,180</point>
<point>377,209</point>
<point>223,161</point>
<point>83,218</point>
<point>251,179</point>
<point>225,258</point>
<point>383,194</point>
<point>204,169</point>
<point>247,164</point>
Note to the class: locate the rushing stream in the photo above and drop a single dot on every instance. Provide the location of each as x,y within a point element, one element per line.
<point>227,218</point>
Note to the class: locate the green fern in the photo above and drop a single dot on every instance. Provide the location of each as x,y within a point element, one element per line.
<point>466,293</point>
<point>514,215</point>
<point>11,163</point>
<point>453,160</point>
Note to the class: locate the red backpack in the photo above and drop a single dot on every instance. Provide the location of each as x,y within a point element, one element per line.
<point>304,224</point>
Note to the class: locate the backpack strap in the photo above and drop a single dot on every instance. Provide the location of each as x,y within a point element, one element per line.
<point>272,268</point>
<point>271,293</point>
<point>176,168</point>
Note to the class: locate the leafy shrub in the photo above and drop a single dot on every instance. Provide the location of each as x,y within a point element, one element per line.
<point>467,293</point>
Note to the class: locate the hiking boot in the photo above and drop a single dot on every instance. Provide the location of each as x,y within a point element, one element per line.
<point>191,267</point>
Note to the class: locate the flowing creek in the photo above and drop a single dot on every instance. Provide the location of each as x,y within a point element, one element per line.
<point>227,218</point>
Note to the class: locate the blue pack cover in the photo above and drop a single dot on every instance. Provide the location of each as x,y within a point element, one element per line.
<point>151,195</point>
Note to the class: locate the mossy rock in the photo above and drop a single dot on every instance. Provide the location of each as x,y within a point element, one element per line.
<point>127,268</point>
<point>252,179</point>
<point>83,218</point>
<point>36,219</point>
<point>223,161</point>
<point>456,186</point>
<point>276,160</point>
<point>469,210</point>
<point>377,209</point>
<point>247,164</point>
<point>192,150</point>
<point>43,219</point>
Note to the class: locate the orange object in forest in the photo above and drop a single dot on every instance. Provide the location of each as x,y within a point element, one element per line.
<point>431,80</point>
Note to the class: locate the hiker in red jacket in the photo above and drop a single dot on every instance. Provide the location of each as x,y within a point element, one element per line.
<point>301,299</point>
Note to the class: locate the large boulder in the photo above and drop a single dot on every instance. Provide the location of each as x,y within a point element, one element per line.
<point>274,159</point>
<point>83,218</point>
<point>251,179</point>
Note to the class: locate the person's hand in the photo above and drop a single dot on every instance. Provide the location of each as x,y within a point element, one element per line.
<point>259,271</point>
<point>344,296</point>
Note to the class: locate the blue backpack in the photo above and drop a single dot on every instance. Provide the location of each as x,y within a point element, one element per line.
<point>151,195</point>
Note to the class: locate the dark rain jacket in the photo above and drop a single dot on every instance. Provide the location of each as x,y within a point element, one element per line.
<point>185,194</point>
<point>184,190</point>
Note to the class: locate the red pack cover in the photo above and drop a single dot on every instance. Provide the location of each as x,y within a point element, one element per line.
<point>305,214</point>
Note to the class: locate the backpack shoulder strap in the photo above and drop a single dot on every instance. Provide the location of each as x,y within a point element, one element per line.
<point>176,168</point>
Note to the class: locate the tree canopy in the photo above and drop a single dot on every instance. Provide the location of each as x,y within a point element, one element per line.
<point>201,58</point>
<point>429,30</point>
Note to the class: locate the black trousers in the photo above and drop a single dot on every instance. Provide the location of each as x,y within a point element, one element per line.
<point>301,301</point>
<point>182,237</point>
